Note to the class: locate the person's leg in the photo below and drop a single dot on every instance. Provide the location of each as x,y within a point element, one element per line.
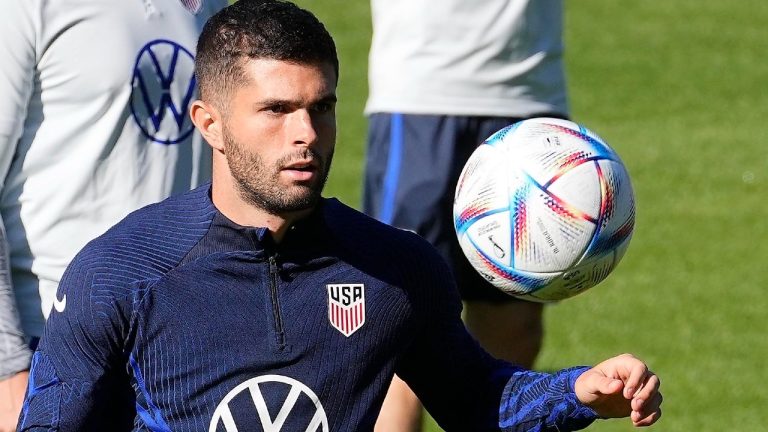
<point>401,411</point>
<point>512,331</point>
<point>508,328</point>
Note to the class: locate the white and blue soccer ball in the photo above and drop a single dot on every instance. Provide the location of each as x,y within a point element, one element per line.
<point>544,209</point>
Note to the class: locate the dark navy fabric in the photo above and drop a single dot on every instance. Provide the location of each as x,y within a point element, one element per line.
<point>178,319</point>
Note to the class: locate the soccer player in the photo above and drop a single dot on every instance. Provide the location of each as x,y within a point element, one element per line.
<point>254,303</point>
<point>94,97</point>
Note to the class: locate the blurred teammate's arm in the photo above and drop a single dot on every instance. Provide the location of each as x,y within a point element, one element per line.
<point>14,354</point>
<point>17,71</point>
<point>11,397</point>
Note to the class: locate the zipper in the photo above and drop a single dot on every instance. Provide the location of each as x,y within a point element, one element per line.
<point>273,283</point>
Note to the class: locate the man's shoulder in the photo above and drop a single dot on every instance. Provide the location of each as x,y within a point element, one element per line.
<point>341,216</point>
<point>110,276</point>
<point>362,233</point>
<point>153,239</point>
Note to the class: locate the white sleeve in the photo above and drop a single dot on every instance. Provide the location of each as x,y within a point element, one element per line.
<point>18,28</point>
<point>14,354</point>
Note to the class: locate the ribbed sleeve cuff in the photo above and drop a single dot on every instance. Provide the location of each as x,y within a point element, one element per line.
<point>534,401</point>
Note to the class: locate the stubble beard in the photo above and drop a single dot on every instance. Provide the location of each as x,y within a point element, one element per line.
<point>259,185</point>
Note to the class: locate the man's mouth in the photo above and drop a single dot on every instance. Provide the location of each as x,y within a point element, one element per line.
<point>301,170</point>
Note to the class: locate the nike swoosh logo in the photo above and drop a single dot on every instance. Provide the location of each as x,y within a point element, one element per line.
<point>60,305</point>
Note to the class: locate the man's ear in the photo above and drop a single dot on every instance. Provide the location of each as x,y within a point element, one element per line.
<point>207,119</point>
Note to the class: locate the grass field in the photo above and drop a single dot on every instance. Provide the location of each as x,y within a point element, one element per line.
<point>679,89</point>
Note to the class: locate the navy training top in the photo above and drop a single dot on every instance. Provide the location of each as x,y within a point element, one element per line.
<point>178,319</point>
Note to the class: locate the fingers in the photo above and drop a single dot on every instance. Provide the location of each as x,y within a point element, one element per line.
<point>648,413</point>
<point>647,389</point>
<point>646,403</point>
<point>638,374</point>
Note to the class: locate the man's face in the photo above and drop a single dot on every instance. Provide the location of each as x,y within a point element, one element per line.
<point>279,134</point>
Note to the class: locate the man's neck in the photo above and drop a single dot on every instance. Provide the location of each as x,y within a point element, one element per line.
<point>229,202</point>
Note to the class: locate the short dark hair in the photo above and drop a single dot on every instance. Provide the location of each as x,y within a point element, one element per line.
<point>257,29</point>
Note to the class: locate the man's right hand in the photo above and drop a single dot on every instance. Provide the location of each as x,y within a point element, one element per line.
<point>621,387</point>
<point>12,391</point>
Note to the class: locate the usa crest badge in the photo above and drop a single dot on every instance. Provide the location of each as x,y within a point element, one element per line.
<point>346,307</point>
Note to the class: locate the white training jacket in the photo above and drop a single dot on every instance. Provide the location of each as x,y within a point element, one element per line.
<point>93,124</point>
<point>467,57</point>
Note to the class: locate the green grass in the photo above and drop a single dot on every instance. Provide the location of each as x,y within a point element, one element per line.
<point>678,88</point>
<point>350,24</point>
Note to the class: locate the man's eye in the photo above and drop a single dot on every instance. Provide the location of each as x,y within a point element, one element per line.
<point>278,109</point>
<point>323,107</point>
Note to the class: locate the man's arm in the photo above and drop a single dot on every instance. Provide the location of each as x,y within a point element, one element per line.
<point>567,400</point>
<point>78,380</point>
<point>17,71</point>
<point>619,387</point>
<point>464,388</point>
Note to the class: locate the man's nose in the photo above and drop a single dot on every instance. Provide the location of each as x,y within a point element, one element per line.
<point>302,128</point>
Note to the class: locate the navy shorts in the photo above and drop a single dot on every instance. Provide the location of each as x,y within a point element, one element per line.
<point>413,164</point>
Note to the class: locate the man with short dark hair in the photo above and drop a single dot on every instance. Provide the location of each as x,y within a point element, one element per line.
<point>256,304</point>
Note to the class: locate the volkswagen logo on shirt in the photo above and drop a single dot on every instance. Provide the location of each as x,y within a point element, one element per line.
<point>163,87</point>
<point>270,403</point>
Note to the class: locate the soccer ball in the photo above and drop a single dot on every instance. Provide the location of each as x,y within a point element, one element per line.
<point>544,209</point>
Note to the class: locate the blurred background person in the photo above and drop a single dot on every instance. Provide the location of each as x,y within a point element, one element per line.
<point>94,98</point>
<point>443,76</point>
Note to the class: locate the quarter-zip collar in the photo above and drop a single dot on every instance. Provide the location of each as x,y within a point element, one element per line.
<point>307,241</point>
